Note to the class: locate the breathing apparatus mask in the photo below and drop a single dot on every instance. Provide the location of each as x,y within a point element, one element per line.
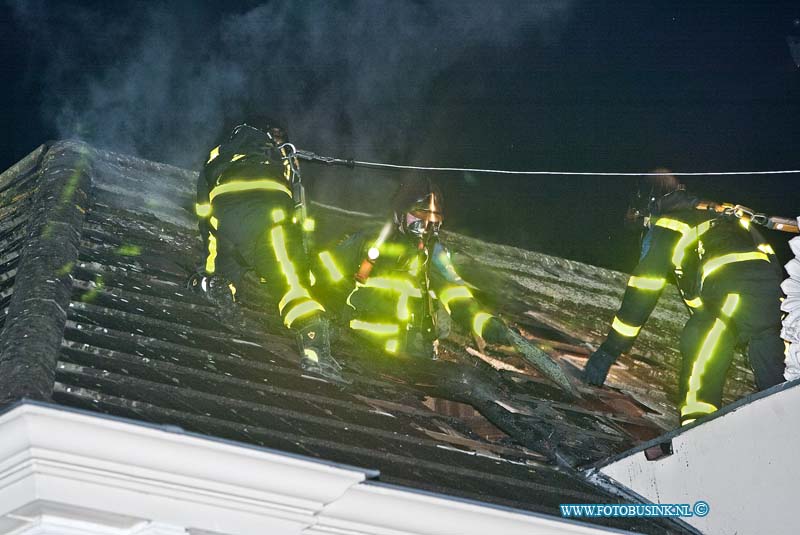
<point>423,219</point>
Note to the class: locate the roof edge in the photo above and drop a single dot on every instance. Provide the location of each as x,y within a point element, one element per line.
<point>32,160</point>
<point>89,467</point>
<point>37,312</point>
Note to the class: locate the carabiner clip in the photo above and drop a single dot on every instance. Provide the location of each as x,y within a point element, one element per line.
<point>740,211</point>
<point>291,156</point>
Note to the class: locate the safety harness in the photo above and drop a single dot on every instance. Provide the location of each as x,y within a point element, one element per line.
<point>748,216</point>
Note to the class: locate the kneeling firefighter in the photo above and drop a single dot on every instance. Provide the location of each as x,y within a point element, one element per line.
<point>252,218</point>
<point>384,283</point>
<point>729,279</point>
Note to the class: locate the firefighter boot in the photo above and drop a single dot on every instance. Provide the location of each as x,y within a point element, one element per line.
<point>218,290</point>
<point>314,343</point>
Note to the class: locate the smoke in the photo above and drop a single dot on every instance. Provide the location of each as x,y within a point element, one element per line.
<point>353,77</point>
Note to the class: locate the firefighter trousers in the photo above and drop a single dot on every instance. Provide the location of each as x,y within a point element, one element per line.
<point>256,231</point>
<point>727,320</point>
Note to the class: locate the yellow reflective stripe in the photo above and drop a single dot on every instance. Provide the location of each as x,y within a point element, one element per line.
<point>686,240</point>
<point>696,407</point>
<point>301,310</point>
<point>213,154</point>
<point>382,329</point>
<point>624,329</point>
<point>248,185</point>
<point>404,288</point>
<point>349,297</point>
<point>745,222</point>
<point>479,322</point>
<point>287,167</point>
<point>766,248</point>
<point>694,303</point>
<point>211,259</point>
<point>202,210</point>
<point>402,307</point>
<point>330,265</point>
<point>397,285</point>
<point>413,267</point>
<point>392,249</point>
<point>646,283</point>
<point>296,290</point>
<point>729,306</point>
<point>392,346</point>
<point>237,157</point>
<point>311,354</point>
<point>455,292</point>
<point>688,236</point>
<point>309,225</point>
<point>278,215</point>
<point>712,265</point>
<point>673,224</point>
<point>691,405</point>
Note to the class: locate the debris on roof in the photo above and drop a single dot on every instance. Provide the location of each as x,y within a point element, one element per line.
<point>96,249</point>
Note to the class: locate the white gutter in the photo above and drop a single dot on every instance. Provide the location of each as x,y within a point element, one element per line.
<point>69,472</point>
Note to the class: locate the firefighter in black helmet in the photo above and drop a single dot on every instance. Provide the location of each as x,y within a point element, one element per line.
<point>248,221</point>
<point>728,278</point>
<point>384,281</point>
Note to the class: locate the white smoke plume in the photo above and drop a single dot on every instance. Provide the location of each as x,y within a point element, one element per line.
<point>350,78</point>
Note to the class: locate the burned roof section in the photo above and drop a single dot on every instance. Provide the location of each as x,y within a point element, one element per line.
<point>96,251</point>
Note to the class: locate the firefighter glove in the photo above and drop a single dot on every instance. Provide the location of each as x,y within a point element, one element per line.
<point>597,367</point>
<point>496,332</point>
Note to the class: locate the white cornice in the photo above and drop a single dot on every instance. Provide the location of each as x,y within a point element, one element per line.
<point>384,510</point>
<point>63,469</point>
<point>117,467</point>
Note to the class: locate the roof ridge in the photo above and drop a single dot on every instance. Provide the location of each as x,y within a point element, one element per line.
<point>37,312</point>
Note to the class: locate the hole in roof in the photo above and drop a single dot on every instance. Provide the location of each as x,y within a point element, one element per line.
<point>473,419</point>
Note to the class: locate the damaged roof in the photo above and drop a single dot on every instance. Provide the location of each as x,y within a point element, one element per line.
<point>95,251</point>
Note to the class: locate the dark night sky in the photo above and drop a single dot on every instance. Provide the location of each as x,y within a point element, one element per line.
<point>553,85</point>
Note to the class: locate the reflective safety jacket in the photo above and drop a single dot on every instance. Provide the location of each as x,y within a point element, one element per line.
<point>247,162</point>
<point>386,290</point>
<point>249,221</point>
<point>700,249</point>
<point>250,163</point>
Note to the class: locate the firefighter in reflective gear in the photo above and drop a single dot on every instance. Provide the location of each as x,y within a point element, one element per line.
<point>248,222</point>
<point>729,279</point>
<point>383,282</point>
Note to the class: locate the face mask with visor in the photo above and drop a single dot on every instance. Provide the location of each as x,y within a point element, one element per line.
<point>424,218</point>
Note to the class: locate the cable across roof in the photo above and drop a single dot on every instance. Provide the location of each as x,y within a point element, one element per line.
<point>578,173</point>
<point>349,162</point>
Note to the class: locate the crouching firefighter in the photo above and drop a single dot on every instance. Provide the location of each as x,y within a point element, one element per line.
<point>252,218</point>
<point>728,278</point>
<point>383,282</point>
